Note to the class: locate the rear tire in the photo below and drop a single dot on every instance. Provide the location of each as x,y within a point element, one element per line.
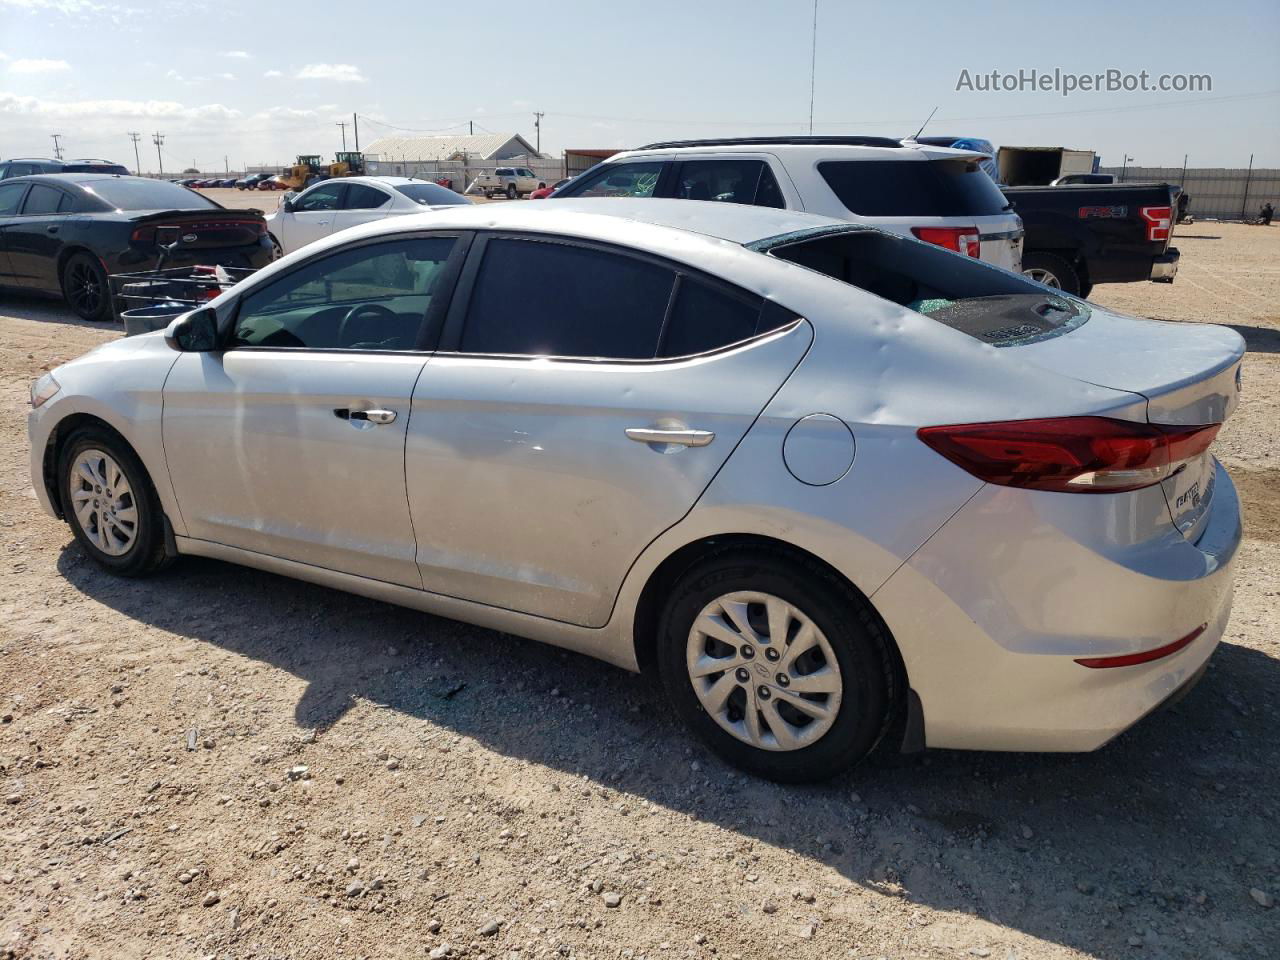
<point>1053,271</point>
<point>110,503</point>
<point>837,642</point>
<point>85,288</point>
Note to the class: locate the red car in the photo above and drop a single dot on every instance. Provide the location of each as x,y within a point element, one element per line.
<point>544,191</point>
<point>273,183</point>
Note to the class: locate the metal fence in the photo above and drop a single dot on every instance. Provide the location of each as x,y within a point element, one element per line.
<point>461,172</point>
<point>1222,193</point>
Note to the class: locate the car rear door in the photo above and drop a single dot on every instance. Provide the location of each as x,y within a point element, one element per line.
<point>290,442</point>
<point>32,238</point>
<point>10,202</point>
<point>582,400</point>
<point>313,215</point>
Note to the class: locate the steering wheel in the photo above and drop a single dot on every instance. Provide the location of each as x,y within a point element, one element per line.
<point>374,312</point>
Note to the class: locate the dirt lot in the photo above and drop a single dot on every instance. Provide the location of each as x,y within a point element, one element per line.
<point>460,782</point>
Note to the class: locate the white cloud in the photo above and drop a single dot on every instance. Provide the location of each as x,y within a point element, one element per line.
<point>236,54</point>
<point>38,66</point>
<point>3,56</point>
<point>225,76</point>
<point>272,74</point>
<point>107,112</point>
<point>77,9</point>
<point>341,72</point>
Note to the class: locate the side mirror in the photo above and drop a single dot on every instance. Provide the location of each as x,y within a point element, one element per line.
<point>288,200</point>
<point>194,332</point>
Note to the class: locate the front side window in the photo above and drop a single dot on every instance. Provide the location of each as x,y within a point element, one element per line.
<point>326,196</point>
<point>44,200</point>
<point>10,196</point>
<point>728,181</point>
<point>616,180</point>
<point>537,298</point>
<point>373,297</point>
<point>360,196</point>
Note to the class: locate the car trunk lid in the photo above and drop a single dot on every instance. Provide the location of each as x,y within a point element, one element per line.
<point>1189,374</point>
<point>197,230</point>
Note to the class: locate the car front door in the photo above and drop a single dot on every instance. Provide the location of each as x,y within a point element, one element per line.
<point>362,204</point>
<point>558,430</point>
<point>290,441</point>
<point>10,204</point>
<point>32,237</point>
<point>313,215</point>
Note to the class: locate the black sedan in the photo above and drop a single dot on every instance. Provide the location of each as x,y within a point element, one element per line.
<point>64,233</point>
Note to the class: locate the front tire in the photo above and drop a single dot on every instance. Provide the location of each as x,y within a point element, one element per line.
<point>110,503</point>
<point>512,192</point>
<point>1053,271</point>
<point>777,665</point>
<point>85,288</point>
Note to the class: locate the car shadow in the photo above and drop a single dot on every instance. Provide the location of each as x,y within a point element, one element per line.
<point>1258,339</point>
<point>1079,850</point>
<point>46,310</point>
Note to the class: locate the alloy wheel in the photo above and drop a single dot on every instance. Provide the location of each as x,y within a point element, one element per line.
<point>85,288</point>
<point>763,671</point>
<point>103,502</point>
<point>1047,277</point>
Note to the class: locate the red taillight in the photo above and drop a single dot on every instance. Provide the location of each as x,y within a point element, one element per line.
<point>1070,454</point>
<point>960,239</point>
<point>1146,656</point>
<point>1158,221</point>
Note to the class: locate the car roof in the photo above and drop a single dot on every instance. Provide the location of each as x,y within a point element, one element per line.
<point>735,222</point>
<point>817,148</point>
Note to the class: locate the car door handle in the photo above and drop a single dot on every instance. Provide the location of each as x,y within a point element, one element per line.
<point>368,416</point>
<point>52,229</point>
<point>684,438</point>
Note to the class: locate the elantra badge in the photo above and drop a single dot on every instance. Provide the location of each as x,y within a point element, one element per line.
<point>190,238</point>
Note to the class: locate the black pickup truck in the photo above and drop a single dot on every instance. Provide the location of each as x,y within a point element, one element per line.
<point>1081,234</point>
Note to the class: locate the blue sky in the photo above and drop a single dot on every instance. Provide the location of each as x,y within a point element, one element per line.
<point>255,82</point>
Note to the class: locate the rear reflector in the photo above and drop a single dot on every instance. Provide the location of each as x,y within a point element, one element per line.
<point>1070,454</point>
<point>960,239</point>
<point>1132,659</point>
<point>1158,222</point>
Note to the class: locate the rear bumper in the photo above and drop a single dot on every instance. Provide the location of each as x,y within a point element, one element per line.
<point>1165,267</point>
<point>993,612</point>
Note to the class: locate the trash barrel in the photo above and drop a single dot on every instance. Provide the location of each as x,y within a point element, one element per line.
<point>155,316</point>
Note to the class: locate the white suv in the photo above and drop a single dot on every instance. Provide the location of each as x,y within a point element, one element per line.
<point>936,194</point>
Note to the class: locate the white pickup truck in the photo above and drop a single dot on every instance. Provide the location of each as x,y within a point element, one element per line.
<point>511,182</point>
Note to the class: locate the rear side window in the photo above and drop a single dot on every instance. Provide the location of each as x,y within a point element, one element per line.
<point>43,199</point>
<point>705,317</point>
<point>361,196</point>
<point>536,298</point>
<point>615,180</point>
<point>728,181</point>
<point>913,188</point>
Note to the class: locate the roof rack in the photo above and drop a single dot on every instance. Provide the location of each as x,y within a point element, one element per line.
<point>32,159</point>
<point>769,141</point>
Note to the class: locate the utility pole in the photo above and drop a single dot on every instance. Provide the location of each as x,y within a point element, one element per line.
<point>135,137</point>
<point>813,64</point>
<point>158,139</point>
<point>537,129</point>
<point>1125,165</point>
<point>471,127</point>
<point>355,127</point>
<point>57,147</point>
<point>343,125</point>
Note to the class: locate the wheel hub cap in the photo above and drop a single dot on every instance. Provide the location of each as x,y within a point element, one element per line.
<point>103,502</point>
<point>787,701</point>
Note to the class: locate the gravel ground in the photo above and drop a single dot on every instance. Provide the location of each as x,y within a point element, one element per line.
<point>220,763</point>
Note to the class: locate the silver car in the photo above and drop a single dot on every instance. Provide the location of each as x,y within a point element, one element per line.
<point>837,486</point>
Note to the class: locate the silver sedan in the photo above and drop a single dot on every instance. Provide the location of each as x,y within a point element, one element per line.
<point>835,486</point>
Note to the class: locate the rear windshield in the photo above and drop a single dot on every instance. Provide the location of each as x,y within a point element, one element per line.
<point>430,194</point>
<point>95,168</point>
<point>913,188</point>
<point>994,306</point>
<point>134,194</point>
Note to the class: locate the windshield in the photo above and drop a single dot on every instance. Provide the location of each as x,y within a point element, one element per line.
<point>430,194</point>
<point>137,194</point>
<point>913,188</point>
